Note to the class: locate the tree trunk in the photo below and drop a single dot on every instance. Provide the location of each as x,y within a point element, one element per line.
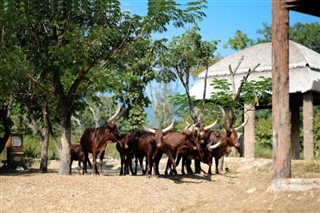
<point>65,156</point>
<point>44,140</point>
<point>280,91</point>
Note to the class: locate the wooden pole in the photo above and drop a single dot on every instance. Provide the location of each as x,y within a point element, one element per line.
<point>308,141</point>
<point>280,90</point>
<point>249,132</point>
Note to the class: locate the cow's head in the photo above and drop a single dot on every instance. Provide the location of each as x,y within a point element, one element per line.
<point>158,133</point>
<point>201,133</point>
<point>232,133</point>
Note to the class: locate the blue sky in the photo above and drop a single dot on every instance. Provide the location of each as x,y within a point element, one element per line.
<point>225,17</point>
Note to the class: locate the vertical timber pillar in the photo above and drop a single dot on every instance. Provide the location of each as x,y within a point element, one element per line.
<point>280,91</point>
<point>308,126</point>
<point>249,132</point>
<point>295,129</point>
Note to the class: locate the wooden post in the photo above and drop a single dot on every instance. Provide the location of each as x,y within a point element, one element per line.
<point>308,126</point>
<point>249,132</point>
<point>295,130</point>
<point>280,91</point>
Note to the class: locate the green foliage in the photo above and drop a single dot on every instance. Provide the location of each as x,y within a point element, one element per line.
<point>31,147</point>
<point>239,41</point>
<point>316,127</point>
<point>263,151</point>
<point>257,91</point>
<point>306,34</point>
<point>264,131</point>
<point>253,92</point>
<point>162,12</point>
<point>222,92</point>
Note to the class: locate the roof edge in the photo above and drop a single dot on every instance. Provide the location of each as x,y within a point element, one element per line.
<point>260,69</point>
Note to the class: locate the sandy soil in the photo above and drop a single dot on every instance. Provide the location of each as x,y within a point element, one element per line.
<point>246,188</point>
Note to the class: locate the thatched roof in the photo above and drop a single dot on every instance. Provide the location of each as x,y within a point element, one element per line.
<point>304,68</point>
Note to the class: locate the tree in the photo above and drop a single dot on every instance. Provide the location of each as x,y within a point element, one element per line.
<point>184,53</point>
<point>239,41</point>
<point>305,34</point>
<point>74,49</point>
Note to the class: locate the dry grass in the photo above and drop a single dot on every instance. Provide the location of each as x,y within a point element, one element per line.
<point>245,189</point>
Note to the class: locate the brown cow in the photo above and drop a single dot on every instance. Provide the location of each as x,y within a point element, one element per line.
<point>126,148</point>
<point>178,143</point>
<point>228,139</point>
<point>77,154</point>
<point>142,143</point>
<point>94,140</point>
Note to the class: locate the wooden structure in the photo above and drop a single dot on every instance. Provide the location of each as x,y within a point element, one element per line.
<point>280,81</point>
<point>304,88</point>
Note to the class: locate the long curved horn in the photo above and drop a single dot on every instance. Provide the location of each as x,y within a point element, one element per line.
<point>168,128</point>
<point>211,125</point>
<point>188,129</point>
<point>116,115</point>
<point>147,129</point>
<point>210,148</point>
<point>194,126</point>
<point>224,119</point>
<point>243,124</point>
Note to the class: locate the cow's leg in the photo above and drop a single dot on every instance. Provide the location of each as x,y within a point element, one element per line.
<point>86,158</point>
<point>183,163</point>
<point>172,159</point>
<point>168,166</point>
<point>188,166</point>
<point>130,158</point>
<point>157,161</point>
<point>217,164</point>
<point>101,162</point>
<point>70,165</point>
<point>144,170</point>
<point>136,165</point>
<point>197,166</point>
<point>221,162</point>
<point>94,162</point>
<point>121,164</point>
<point>127,164</point>
<point>149,164</point>
<point>178,159</point>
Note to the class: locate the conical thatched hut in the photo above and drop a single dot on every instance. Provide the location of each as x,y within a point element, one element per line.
<point>304,86</point>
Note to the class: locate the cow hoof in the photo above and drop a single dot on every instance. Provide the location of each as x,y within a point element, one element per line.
<point>227,170</point>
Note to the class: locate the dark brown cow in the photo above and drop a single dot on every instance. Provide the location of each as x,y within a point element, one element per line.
<point>77,154</point>
<point>94,140</point>
<point>142,143</point>
<point>175,143</point>
<point>126,148</point>
<point>227,139</point>
<point>145,147</point>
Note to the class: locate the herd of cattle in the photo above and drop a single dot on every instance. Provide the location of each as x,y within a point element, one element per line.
<point>201,144</point>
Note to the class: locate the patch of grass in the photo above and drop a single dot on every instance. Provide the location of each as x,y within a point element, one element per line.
<point>306,166</point>
<point>262,151</point>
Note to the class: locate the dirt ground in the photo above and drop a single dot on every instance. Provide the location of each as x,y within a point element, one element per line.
<point>246,188</point>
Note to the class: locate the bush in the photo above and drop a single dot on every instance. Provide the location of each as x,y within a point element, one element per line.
<point>263,151</point>
<point>31,147</point>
